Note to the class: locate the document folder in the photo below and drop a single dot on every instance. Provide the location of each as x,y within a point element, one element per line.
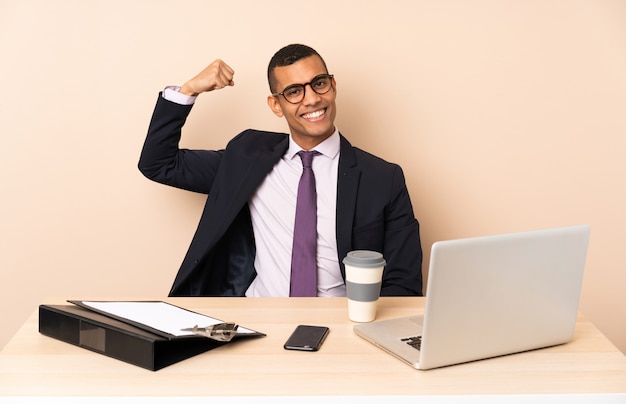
<point>121,340</point>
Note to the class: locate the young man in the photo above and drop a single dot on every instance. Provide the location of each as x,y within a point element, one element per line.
<point>244,243</point>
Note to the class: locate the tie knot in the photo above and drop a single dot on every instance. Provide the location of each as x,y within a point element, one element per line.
<point>307,157</point>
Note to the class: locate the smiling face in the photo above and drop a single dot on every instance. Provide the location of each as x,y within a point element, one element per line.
<point>312,120</point>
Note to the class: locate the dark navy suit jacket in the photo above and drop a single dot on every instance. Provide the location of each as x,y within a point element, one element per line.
<point>374,211</point>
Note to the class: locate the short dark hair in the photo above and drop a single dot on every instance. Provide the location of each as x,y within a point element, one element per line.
<point>286,56</point>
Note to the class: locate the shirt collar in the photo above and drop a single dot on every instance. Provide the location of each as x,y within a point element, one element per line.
<point>329,147</point>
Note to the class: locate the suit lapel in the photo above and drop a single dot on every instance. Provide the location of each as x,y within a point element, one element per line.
<point>246,172</point>
<point>347,187</point>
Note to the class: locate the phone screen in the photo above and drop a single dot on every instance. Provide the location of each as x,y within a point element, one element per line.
<point>307,338</point>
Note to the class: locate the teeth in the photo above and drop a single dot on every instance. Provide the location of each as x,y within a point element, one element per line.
<point>313,115</point>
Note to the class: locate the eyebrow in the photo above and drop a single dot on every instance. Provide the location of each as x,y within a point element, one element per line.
<point>302,84</point>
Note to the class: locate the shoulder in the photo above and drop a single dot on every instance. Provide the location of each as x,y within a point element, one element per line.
<point>354,156</point>
<point>369,158</point>
<point>258,140</point>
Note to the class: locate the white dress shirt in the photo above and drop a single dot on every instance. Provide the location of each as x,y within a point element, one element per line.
<point>273,209</point>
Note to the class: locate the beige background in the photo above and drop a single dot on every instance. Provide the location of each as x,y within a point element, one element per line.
<point>505,115</point>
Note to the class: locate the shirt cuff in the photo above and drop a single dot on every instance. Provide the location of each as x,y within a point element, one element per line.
<point>171,93</point>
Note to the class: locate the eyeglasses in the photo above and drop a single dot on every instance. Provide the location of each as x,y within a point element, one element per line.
<point>294,93</point>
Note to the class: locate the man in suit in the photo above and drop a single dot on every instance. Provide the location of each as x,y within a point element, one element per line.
<point>244,242</point>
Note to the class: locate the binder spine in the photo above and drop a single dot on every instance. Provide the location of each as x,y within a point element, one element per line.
<point>98,337</point>
<point>116,339</point>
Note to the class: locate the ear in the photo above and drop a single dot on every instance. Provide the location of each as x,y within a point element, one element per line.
<point>274,106</point>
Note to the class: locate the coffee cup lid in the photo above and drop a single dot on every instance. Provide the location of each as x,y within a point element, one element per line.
<point>364,258</point>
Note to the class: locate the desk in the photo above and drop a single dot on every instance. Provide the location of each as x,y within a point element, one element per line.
<point>35,365</point>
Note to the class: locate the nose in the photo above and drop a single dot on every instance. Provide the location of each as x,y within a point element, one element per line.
<point>310,96</point>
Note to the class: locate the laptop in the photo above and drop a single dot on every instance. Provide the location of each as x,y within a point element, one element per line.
<point>491,296</point>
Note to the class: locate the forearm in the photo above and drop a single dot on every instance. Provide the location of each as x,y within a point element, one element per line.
<point>161,159</point>
<point>403,272</point>
<point>403,250</point>
<point>164,132</point>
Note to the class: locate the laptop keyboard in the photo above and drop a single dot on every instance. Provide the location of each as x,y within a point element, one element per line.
<point>415,342</point>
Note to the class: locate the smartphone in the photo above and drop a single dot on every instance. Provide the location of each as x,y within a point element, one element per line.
<point>307,338</point>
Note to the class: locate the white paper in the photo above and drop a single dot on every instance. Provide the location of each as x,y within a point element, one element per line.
<point>161,316</point>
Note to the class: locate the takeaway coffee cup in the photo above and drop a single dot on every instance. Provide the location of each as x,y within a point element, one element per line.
<point>364,273</point>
